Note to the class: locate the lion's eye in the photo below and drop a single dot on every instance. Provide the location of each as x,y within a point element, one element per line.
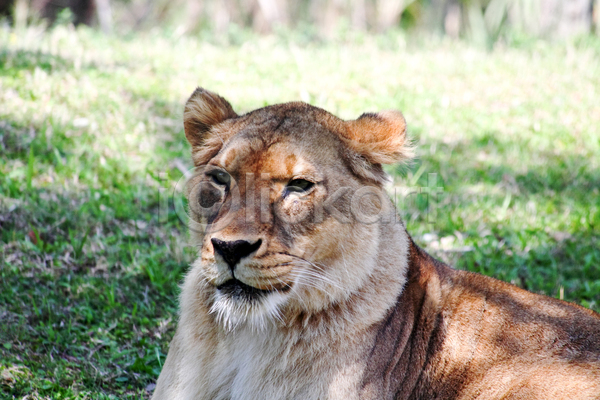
<point>220,177</point>
<point>299,186</point>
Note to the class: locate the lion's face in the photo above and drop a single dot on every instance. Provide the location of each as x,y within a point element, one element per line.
<point>284,200</point>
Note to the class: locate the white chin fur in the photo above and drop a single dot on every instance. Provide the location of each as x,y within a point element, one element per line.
<point>232,313</point>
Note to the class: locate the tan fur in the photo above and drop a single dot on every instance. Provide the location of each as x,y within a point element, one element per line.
<point>355,310</point>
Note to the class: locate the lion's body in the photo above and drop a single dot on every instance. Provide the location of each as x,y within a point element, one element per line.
<point>314,306</point>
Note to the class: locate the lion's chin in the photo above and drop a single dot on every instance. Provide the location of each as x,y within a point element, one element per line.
<point>236,304</point>
<point>239,290</point>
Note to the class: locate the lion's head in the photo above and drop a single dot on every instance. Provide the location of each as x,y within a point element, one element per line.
<point>287,204</point>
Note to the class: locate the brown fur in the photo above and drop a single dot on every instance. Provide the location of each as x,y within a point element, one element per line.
<point>355,310</point>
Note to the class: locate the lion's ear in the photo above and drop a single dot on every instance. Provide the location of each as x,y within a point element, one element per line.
<point>378,138</point>
<point>203,110</point>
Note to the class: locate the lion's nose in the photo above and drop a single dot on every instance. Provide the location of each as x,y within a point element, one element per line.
<point>233,252</point>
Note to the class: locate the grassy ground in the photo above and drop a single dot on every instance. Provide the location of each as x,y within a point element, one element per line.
<point>91,139</point>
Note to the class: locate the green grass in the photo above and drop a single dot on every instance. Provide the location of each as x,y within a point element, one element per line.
<point>91,138</point>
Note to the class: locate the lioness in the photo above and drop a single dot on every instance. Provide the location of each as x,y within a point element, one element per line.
<point>307,285</point>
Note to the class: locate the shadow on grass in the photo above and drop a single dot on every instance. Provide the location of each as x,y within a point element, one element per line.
<point>89,275</point>
<point>86,303</point>
<point>532,224</point>
<point>88,288</point>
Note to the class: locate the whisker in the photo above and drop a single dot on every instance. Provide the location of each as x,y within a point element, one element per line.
<point>313,278</point>
<point>318,267</point>
<point>324,278</point>
<point>230,314</point>
<point>344,260</point>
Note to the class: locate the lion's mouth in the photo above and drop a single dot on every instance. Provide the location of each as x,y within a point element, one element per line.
<point>237,289</point>
<point>237,302</point>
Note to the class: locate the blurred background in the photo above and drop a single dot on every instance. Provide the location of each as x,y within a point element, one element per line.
<point>501,97</point>
<point>480,20</point>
